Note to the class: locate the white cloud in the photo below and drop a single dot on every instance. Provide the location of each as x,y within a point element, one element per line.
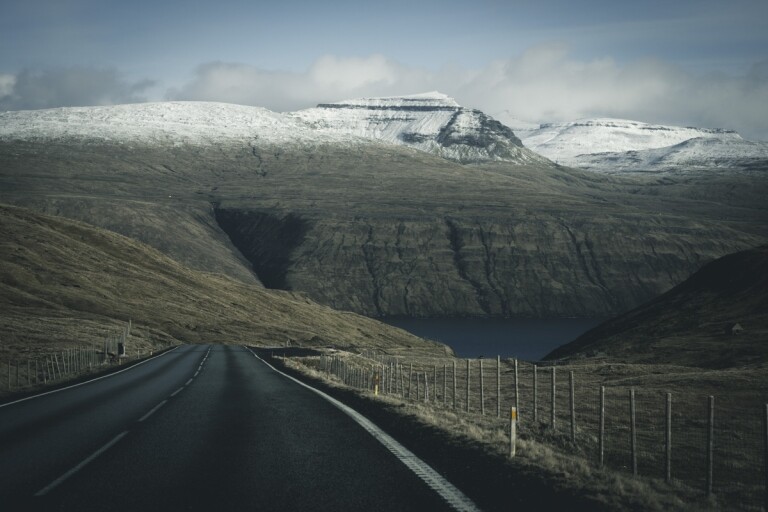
<point>542,84</point>
<point>68,87</point>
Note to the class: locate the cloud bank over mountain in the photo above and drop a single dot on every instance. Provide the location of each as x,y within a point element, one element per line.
<point>545,83</point>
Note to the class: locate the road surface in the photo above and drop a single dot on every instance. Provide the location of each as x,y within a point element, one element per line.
<point>197,428</point>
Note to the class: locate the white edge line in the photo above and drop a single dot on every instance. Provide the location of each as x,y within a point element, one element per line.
<point>152,411</point>
<point>89,381</point>
<point>45,490</point>
<point>457,499</point>
<point>177,391</point>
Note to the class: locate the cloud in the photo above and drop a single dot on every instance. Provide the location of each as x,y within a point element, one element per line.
<point>543,84</point>
<point>68,87</point>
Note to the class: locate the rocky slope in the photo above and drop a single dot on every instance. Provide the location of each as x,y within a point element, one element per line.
<point>430,122</point>
<point>692,323</point>
<point>368,226</point>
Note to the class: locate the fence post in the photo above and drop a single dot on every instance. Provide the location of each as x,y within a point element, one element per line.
<point>602,426</point>
<point>517,390</point>
<point>512,432</point>
<point>9,375</point>
<point>710,444</point>
<point>498,386</point>
<point>633,432</point>
<point>535,393</point>
<point>467,404</point>
<point>573,406</point>
<point>668,441</point>
<point>482,390</point>
<point>410,379</point>
<point>418,387</point>
<point>434,382</point>
<point>554,401</point>
<point>445,384</point>
<point>765,453</point>
<point>454,384</point>
<point>426,387</point>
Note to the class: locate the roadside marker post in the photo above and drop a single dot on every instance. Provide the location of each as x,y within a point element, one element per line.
<point>512,432</point>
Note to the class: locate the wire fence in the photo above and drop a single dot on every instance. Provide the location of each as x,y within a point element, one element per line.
<point>718,444</point>
<point>43,368</point>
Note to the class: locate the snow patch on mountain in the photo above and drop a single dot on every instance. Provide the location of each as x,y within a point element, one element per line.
<point>565,141</point>
<point>709,154</point>
<point>430,122</point>
<point>159,123</point>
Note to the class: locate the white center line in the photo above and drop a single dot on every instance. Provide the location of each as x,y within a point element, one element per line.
<point>152,411</point>
<point>177,391</point>
<point>45,490</point>
<point>187,384</point>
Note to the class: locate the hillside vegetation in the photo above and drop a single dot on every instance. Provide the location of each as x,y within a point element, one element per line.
<point>385,230</point>
<point>692,324</point>
<point>64,283</point>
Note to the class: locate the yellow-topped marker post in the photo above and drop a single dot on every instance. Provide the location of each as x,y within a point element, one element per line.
<point>512,432</point>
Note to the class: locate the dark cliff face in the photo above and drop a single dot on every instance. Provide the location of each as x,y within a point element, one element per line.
<point>486,134</point>
<point>384,230</point>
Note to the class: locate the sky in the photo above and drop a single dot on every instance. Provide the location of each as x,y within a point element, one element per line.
<point>683,62</point>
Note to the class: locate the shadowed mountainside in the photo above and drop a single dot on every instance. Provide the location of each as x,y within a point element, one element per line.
<point>692,323</point>
<point>387,230</point>
<point>64,283</point>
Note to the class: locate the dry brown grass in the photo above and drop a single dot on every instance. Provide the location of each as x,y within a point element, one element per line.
<point>738,448</point>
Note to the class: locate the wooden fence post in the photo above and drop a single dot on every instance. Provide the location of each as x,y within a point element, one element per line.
<point>710,444</point>
<point>602,426</point>
<point>517,391</point>
<point>512,432</point>
<point>482,390</point>
<point>765,454</point>
<point>553,418</point>
<point>668,441</point>
<point>633,431</point>
<point>535,393</point>
<point>467,404</point>
<point>410,380</point>
<point>445,384</point>
<point>498,386</point>
<point>454,384</point>
<point>573,406</point>
<point>434,383</point>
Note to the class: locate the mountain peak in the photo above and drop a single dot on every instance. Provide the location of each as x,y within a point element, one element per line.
<point>433,99</point>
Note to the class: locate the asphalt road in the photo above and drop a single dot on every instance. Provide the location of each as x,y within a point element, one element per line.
<point>197,428</point>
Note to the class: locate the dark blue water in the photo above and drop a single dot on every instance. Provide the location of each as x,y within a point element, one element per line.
<point>525,339</point>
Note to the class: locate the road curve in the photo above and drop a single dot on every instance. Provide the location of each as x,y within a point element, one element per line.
<point>198,428</point>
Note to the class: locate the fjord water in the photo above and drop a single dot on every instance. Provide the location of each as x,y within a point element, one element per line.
<point>527,339</point>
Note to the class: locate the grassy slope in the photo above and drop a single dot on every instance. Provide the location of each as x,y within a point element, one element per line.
<point>66,283</point>
<point>395,231</point>
<point>687,325</point>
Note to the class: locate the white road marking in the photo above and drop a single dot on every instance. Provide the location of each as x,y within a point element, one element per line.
<point>455,498</point>
<point>190,380</point>
<point>152,411</point>
<point>177,391</point>
<point>48,488</point>
<point>88,381</point>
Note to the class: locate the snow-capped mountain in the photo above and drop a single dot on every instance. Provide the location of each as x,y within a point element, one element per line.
<point>618,145</point>
<point>431,122</point>
<point>565,141</point>
<point>156,123</point>
<point>699,154</point>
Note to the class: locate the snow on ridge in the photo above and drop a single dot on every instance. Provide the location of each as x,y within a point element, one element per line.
<point>432,99</point>
<point>175,122</point>
<point>566,141</point>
